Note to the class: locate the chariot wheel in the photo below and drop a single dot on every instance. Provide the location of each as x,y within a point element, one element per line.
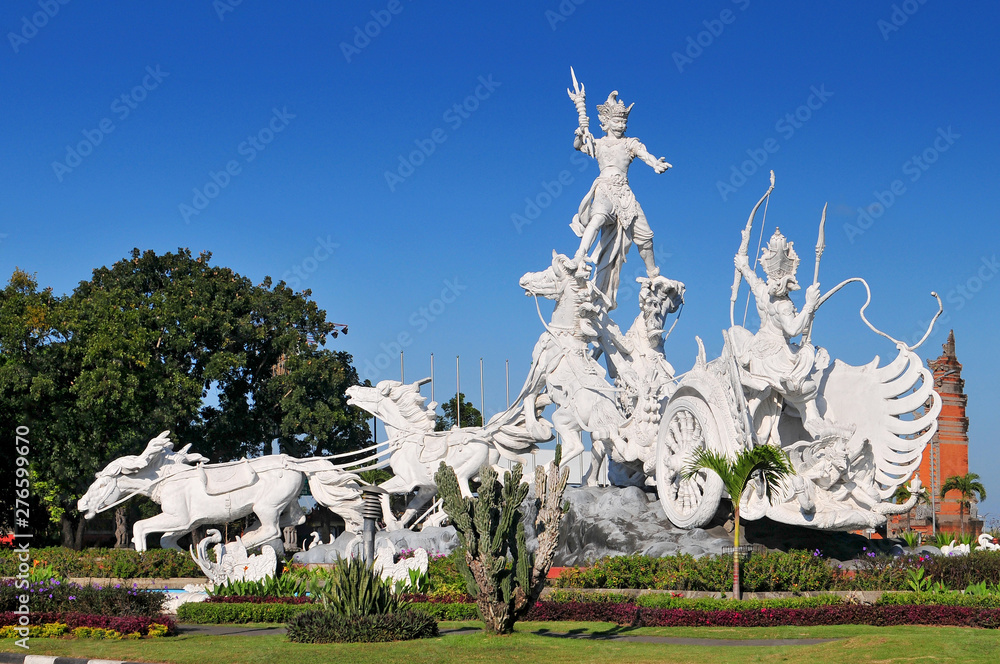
<point>687,425</point>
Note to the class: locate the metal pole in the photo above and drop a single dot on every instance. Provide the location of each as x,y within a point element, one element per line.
<point>458,394</point>
<point>401,379</point>
<point>482,396</point>
<point>371,510</point>
<point>432,376</point>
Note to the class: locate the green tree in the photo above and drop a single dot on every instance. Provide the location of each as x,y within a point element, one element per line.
<point>763,462</point>
<point>471,417</point>
<point>140,347</point>
<point>968,487</point>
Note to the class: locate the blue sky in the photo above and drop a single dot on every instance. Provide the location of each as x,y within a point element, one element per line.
<point>264,133</point>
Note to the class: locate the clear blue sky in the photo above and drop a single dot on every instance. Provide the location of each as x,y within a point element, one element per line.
<point>309,114</point>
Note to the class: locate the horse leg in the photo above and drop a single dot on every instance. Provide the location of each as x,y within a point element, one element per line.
<point>423,496</point>
<point>161,523</point>
<point>268,530</point>
<point>566,425</point>
<point>392,485</point>
<point>598,450</point>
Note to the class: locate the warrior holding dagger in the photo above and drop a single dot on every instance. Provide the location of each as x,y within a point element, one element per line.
<point>609,208</point>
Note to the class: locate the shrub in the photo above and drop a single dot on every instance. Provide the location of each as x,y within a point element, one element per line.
<point>329,627</point>
<point>659,601</point>
<point>601,598</point>
<point>773,571</point>
<point>117,563</point>
<point>352,588</point>
<point>447,610</point>
<point>989,601</point>
<point>54,596</point>
<point>222,613</point>
<point>286,585</point>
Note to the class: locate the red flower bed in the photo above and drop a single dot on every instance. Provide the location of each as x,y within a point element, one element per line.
<point>256,599</point>
<point>849,614</point>
<point>124,625</point>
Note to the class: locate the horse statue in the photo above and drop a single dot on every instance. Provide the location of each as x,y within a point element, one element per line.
<point>416,450</point>
<point>563,364</point>
<point>193,493</point>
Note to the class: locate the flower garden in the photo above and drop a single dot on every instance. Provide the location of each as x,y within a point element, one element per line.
<point>802,588</point>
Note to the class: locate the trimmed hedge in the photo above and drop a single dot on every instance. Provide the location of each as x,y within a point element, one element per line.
<point>773,571</point>
<point>72,619</point>
<point>447,610</point>
<point>777,571</point>
<point>117,563</point>
<point>330,627</point>
<point>991,601</point>
<point>244,612</point>
<point>843,614</point>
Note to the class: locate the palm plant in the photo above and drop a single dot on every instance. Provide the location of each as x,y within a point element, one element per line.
<point>902,494</point>
<point>765,462</point>
<point>967,485</point>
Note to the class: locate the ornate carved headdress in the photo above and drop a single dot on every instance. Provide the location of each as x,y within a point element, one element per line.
<point>613,108</point>
<point>780,260</point>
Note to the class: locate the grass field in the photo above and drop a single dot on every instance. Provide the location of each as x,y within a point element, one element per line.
<point>855,645</point>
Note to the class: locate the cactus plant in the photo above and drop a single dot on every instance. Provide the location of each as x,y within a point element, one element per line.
<point>504,577</point>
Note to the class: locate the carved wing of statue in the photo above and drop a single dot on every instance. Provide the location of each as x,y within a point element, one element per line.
<point>894,408</point>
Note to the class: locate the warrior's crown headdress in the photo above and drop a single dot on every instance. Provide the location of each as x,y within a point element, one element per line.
<point>779,259</point>
<point>613,108</point>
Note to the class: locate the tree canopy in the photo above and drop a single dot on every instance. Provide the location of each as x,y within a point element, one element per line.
<point>158,342</point>
<point>471,417</point>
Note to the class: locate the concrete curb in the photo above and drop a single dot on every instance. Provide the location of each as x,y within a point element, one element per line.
<point>14,658</point>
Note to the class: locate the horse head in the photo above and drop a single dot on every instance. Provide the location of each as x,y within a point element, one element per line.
<point>105,491</point>
<point>399,405</point>
<point>550,282</point>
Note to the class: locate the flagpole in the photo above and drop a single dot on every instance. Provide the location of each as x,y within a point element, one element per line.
<point>401,379</point>
<point>506,370</point>
<point>432,376</point>
<point>482,396</point>
<point>458,394</point>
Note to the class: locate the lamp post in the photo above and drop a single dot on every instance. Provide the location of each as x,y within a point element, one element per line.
<point>371,510</point>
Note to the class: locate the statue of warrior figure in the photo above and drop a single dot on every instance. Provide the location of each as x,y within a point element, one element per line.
<point>772,359</point>
<point>610,208</point>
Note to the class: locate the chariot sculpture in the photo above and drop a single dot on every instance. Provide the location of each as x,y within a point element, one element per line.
<point>853,434</point>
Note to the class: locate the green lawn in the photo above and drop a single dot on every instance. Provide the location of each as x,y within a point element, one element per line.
<point>857,644</point>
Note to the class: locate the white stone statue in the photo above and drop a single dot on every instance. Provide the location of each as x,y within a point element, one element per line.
<point>955,549</point>
<point>398,572</point>
<point>610,209</point>
<point>192,493</point>
<point>415,450</point>
<point>563,365</point>
<point>988,543</point>
<point>232,562</point>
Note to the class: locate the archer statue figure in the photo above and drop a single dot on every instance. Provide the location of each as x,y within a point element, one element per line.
<point>610,208</point>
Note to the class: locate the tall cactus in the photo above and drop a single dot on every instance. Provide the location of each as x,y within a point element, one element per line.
<point>500,572</point>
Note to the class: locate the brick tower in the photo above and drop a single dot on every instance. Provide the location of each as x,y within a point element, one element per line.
<point>947,453</point>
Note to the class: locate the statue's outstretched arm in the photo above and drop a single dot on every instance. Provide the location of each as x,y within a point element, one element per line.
<point>659,165</point>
